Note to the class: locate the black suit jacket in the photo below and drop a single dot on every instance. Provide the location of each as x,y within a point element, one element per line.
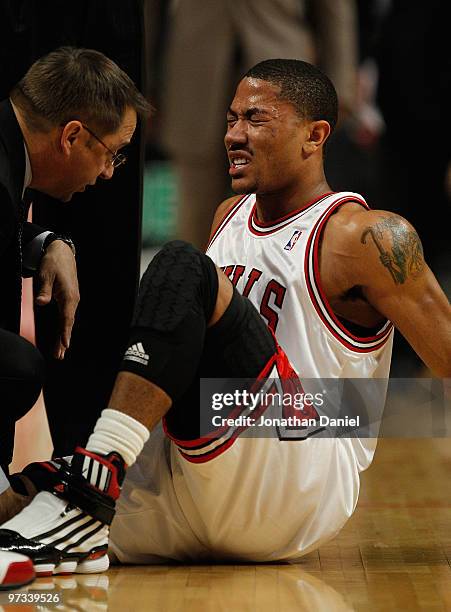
<point>12,215</point>
<point>104,222</point>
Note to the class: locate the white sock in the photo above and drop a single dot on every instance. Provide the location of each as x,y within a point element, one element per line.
<point>116,431</point>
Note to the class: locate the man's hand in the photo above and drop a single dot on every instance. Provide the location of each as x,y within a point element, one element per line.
<point>58,281</point>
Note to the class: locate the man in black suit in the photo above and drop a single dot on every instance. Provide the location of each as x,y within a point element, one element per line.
<point>60,130</point>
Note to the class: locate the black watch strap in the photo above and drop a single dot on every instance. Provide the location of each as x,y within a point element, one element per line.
<point>52,237</point>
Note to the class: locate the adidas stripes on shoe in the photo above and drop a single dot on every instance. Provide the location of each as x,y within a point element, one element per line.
<point>66,526</point>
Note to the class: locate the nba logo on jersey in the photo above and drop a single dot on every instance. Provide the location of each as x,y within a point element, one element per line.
<point>294,238</point>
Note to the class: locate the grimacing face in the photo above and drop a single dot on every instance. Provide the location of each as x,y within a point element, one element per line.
<point>263,140</point>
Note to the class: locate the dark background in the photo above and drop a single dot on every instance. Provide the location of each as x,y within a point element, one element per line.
<point>105,222</point>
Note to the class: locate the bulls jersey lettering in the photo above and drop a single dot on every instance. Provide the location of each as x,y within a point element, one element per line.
<point>284,284</point>
<point>273,295</point>
<point>276,265</point>
<point>282,496</point>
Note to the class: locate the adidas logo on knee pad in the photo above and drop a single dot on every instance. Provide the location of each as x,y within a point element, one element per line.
<point>137,353</point>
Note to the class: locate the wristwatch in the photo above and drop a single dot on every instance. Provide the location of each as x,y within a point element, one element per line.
<point>52,237</point>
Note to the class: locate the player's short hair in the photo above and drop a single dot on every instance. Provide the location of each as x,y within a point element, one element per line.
<point>309,90</point>
<point>74,83</point>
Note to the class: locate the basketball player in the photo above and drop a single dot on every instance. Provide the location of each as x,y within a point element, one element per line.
<point>327,275</point>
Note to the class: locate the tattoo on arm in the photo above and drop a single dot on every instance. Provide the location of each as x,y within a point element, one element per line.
<point>406,257</point>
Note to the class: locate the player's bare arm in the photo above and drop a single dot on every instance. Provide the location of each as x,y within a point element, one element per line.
<point>377,258</point>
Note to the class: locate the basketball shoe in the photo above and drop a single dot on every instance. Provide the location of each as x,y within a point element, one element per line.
<point>65,528</point>
<point>15,570</point>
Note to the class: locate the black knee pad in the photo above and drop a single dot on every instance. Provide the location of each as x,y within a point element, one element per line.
<point>177,297</point>
<point>240,344</point>
<point>178,278</point>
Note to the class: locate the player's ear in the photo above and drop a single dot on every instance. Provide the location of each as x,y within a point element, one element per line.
<point>319,132</point>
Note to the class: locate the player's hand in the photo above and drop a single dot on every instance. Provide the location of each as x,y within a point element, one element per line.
<point>58,281</point>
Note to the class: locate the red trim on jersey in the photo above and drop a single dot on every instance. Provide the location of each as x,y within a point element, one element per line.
<point>288,218</point>
<point>312,249</point>
<point>226,218</point>
<point>208,456</point>
<point>197,442</point>
<point>285,370</point>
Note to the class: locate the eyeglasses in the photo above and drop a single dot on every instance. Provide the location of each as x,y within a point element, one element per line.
<point>117,159</point>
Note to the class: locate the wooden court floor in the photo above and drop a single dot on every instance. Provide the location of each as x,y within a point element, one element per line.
<point>394,554</point>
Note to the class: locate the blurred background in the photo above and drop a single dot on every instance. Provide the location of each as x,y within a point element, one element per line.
<point>388,62</point>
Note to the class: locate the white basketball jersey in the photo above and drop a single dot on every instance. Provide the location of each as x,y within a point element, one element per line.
<point>263,499</point>
<point>276,265</point>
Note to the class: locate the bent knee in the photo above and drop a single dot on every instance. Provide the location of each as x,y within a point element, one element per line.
<point>179,278</point>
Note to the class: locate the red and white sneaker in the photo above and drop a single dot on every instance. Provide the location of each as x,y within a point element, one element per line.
<point>65,528</point>
<point>15,570</point>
